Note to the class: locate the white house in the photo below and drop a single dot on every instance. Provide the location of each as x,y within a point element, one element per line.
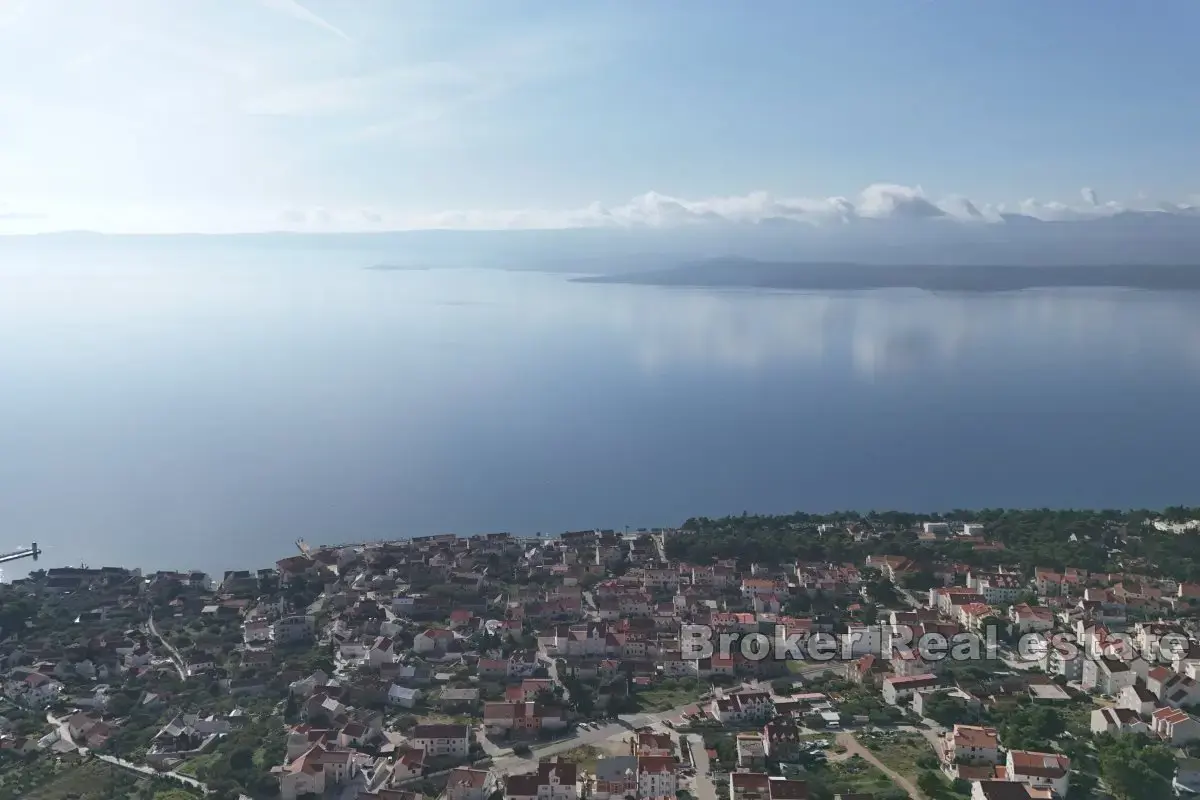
<point>198,662</point>
<point>1117,720</point>
<point>295,628</point>
<point>972,744</point>
<point>552,781</point>
<point>382,651</point>
<point>1174,726</point>
<point>403,696</point>
<point>442,740</point>
<point>1138,699</point>
<point>353,652</point>
<point>256,632</point>
<point>657,776</point>
<point>33,690</point>
<point>742,707</point>
<point>433,640</point>
<point>1040,770</point>
<point>898,689</point>
<point>1108,675</point>
<point>465,783</point>
<point>1031,619</point>
<point>1172,689</point>
<point>315,771</point>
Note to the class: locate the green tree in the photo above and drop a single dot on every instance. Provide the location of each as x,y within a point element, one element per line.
<point>1134,768</point>
<point>930,783</point>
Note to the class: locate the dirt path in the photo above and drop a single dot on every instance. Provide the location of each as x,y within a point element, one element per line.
<point>853,748</point>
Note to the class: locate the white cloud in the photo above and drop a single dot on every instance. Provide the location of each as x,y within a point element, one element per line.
<point>878,202</point>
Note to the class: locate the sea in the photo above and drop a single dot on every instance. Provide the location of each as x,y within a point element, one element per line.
<point>206,411</point>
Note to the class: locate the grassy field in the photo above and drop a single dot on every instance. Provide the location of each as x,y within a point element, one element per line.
<point>849,776</point>
<point>899,751</point>
<point>856,775</point>
<point>668,695</point>
<point>585,757</point>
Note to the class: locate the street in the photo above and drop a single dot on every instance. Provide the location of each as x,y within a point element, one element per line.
<point>702,786</point>
<point>176,659</point>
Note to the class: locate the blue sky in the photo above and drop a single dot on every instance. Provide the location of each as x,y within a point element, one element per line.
<point>219,115</point>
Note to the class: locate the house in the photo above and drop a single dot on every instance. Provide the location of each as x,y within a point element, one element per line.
<point>997,587</point>
<point>403,696</point>
<point>1171,688</point>
<point>434,641</point>
<point>465,783</point>
<point>458,699</point>
<point>198,662</point>
<point>523,716</point>
<point>1107,675</point>
<point>256,632</point>
<point>1030,619</point>
<point>552,781</point>
<point>742,707</point>
<point>1117,720</point>
<point>615,778</point>
<point>492,668</point>
<point>1006,790</point>
<point>1174,726</point>
<point>897,689</point>
<point>1065,659</point>
<point>407,763</point>
<point>972,744</point>
<point>33,690</point>
<point>461,618</point>
<point>751,751</point>
<point>782,738</point>
<point>655,744</point>
<point>657,776</point>
<point>382,651</point>
<point>317,770</point>
<point>1138,699</point>
<point>295,628</point>
<point>1040,770</point>
<point>759,786</point>
<point>442,740</point>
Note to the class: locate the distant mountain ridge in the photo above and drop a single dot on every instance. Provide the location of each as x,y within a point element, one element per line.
<point>846,276</point>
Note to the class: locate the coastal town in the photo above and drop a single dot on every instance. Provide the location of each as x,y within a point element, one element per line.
<point>923,658</point>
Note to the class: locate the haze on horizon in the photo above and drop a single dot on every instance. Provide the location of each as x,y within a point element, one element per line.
<point>145,116</point>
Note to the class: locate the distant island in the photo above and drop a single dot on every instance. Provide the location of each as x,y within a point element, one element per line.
<point>833,276</point>
<point>397,268</point>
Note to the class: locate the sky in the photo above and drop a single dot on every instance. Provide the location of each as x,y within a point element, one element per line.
<point>326,115</point>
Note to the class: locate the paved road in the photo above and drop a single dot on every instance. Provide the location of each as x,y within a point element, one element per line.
<point>142,769</point>
<point>853,748</point>
<point>176,659</point>
<point>552,670</point>
<point>64,731</point>
<point>510,764</point>
<point>702,787</point>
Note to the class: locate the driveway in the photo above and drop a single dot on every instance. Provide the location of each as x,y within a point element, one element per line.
<point>853,748</point>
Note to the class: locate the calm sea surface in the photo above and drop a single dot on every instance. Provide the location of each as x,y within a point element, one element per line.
<point>206,411</point>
